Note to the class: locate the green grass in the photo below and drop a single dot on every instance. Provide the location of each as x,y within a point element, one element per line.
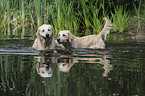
<point>63,17</point>
<point>24,17</point>
<point>138,13</point>
<point>37,4</point>
<point>120,19</point>
<point>96,18</point>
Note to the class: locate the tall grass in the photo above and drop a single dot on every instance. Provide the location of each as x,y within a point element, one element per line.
<point>23,19</point>
<point>62,15</point>
<point>137,12</point>
<point>8,19</point>
<point>85,14</point>
<point>3,4</point>
<point>37,4</point>
<point>96,18</point>
<point>120,19</point>
<point>15,31</point>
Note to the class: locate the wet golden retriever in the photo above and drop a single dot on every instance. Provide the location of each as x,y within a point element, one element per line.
<point>45,38</point>
<point>68,40</point>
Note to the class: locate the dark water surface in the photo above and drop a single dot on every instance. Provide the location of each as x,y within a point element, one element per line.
<point>118,70</point>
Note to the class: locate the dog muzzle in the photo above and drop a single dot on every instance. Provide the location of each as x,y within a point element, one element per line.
<point>47,37</point>
<point>61,42</point>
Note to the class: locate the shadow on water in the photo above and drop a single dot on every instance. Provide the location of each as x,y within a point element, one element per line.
<point>117,70</point>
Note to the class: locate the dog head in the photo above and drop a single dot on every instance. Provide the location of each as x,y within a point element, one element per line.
<point>64,37</point>
<point>45,32</point>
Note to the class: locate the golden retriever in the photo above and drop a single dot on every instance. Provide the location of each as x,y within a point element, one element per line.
<point>45,38</point>
<point>68,40</point>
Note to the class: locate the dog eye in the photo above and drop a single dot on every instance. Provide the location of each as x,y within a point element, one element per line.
<point>43,30</point>
<point>48,29</point>
<point>64,35</point>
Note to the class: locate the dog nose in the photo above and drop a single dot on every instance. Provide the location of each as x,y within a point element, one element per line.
<point>58,40</point>
<point>47,35</point>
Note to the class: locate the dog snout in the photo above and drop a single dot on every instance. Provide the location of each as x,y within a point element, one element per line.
<point>47,35</point>
<point>58,39</point>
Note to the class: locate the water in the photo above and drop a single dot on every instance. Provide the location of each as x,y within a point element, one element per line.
<point>118,70</point>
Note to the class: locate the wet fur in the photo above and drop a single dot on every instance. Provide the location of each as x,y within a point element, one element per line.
<point>40,43</point>
<point>92,41</point>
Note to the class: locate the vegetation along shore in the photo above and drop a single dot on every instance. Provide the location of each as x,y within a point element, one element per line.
<point>21,18</point>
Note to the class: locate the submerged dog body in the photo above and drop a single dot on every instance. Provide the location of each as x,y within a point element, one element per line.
<point>92,41</point>
<point>45,38</point>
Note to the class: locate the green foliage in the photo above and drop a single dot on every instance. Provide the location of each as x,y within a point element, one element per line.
<point>96,18</point>
<point>137,12</point>
<point>37,4</point>
<point>23,17</point>
<point>120,19</point>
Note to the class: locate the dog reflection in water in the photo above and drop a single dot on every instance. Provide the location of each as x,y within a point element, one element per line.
<point>107,67</point>
<point>44,65</point>
<point>65,64</point>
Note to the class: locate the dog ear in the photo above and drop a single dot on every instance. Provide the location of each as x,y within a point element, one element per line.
<point>57,35</point>
<point>52,31</point>
<point>37,33</point>
<point>70,37</point>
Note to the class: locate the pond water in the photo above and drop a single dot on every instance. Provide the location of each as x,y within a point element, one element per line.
<point>118,70</point>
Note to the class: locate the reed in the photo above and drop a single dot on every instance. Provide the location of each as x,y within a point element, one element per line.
<point>3,4</point>
<point>45,12</point>
<point>85,15</point>
<point>96,18</point>
<point>62,15</point>
<point>59,4</point>
<point>120,19</point>
<point>8,19</point>
<point>23,19</point>
<point>37,4</point>
<point>138,13</point>
<point>69,18</point>
<point>32,23</point>
<point>15,31</point>
<point>4,30</point>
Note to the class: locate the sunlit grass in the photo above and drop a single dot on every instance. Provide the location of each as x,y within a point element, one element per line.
<point>138,13</point>
<point>85,15</point>
<point>8,19</point>
<point>16,24</point>
<point>120,19</point>
<point>97,23</point>
<point>25,16</point>
<point>63,17</point>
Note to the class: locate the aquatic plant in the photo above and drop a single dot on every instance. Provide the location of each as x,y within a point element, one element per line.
<point>8,19</point>
<point>138,12</point>
<point>85,15</point>
<point>37,4</point>
<point>3,4</point>
<point>16,24</point>
<point>23,18</point>
<point>120,19</point>
<point>96,18</point>
<point>62,15</point>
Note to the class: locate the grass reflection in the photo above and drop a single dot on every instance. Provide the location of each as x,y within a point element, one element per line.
<point>60,75</point>
<point>83,72</point>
